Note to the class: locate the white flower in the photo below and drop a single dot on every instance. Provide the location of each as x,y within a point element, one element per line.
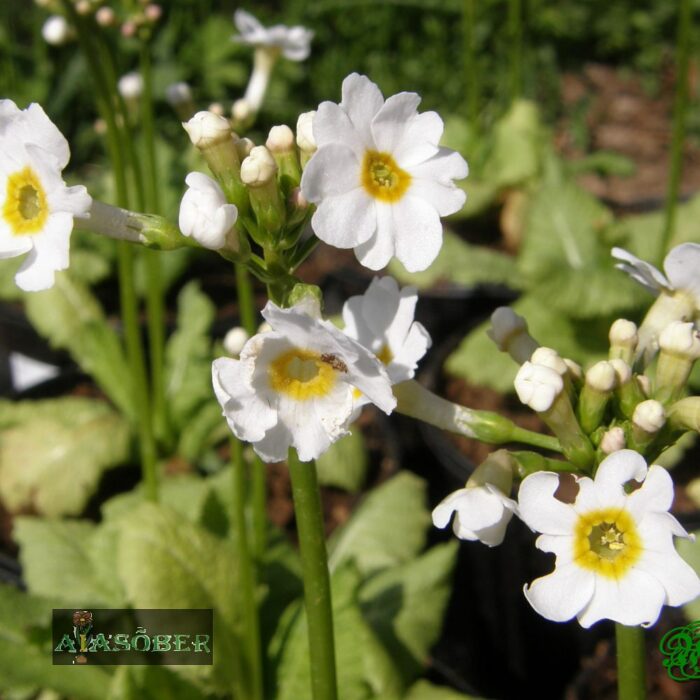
<point>482,513</point>
<point>293,42</point>
<point>36,207</point>
<point>204,213</point>
<point>538,386</point>
<point>293,385</point>
<point>130,86</point>
<point>682,268</point>
<point>615,557</point>
<point>379,177</point>
<point>56,30</point>
<point>381,320</point>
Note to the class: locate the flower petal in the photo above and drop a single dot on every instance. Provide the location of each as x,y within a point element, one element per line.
<point>682,266</point>
<point>614,472</point>
<point>414,347</point>
<point>333,170</point>
<point>634,599</point>
<point>332,125</point>
<point>36,273</point>
<point>432,181</point>
<point>389,123</point>
<point>376,252</point>
<point>420,139</point>
<point>540,510</point>
<point>641,271</point>
<point>345,221</point>
<point>362,99</point>
<point>562,594</point>
<point>417,233</point>
<point>655,494</point>
<point>274,446</point>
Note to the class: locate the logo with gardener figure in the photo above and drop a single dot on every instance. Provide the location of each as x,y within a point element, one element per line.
<point>134,637</point>
<point>681,647</point>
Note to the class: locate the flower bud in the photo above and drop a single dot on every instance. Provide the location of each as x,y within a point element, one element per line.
<point>242,113</point>
<point>130,86</point>
<point>680,347</point>
<point>574,368</point>
<point>264,327</point>
<point>600,381</point>
<point>280,143</point>
<point>537,386</point>
<point>244,146</point>
<point>83,7</point>
<point>509,332</point>
<point>259,168</point>
<point>207,129</point>
<point>216,108</point>
<point>205,215</point>
<point>623,372</point>
<point>685,414</point>
<point>105,16</point>
<point>649,416</point>
<point>305,137</point>
<point>129,29</point>
<point>623,340</point>
<point>234,341</point>
<point>153,12</point>
<point>613,440</point>
<point>56,30</point>
<point>178,93</point>
<point>548,357</point>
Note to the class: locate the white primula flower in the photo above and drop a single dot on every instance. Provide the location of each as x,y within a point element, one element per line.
<point>379,177</point>
<point>36,207</point>
<point>381,320</point>
<point>293,42</point>
<point>615,557</point>
<point>481,513</point>
<point>293,385</point>
<point>204,213</point>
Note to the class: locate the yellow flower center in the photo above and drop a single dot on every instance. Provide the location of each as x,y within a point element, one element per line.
<point>607,542</point>
<point>303,374</point>
<point>382,178</point>
<point>25,209</point>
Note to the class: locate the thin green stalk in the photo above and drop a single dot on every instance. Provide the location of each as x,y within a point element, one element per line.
<point>154,288</point>
<point>680,111</point>
<point>471,73</point>
<point>105,90</point>
<point>258,489</point>
<point>631,674</point>
<point>317,589</point>
<point>516,48</point>
<point>530,437</point>
<point>252,655</point>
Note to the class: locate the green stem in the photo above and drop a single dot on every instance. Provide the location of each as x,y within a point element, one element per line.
<point>529,437</point>
<point>105,91</point>
<point>516,48</point>
<point>317,590</point>
<point>248,315</point>
<point>631,675</point>
<point>154,288</point>
<point>471,72</point>
<point>252,655</point>
<point>680,111</point>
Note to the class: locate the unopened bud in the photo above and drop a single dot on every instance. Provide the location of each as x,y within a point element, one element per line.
<point>305,136</point>
<point>613,440</point>
<point>234,341</point>
<point>264,327</point>
<point>685,414</point>
<point>244,146</point>
<point>56,30</point>
<point>680,347</point>
<point>178,93</point>
<point>548,357</point>
<point>242,112</point>
<point>649,416</point>
<point>623,371</point>
<point>623,340</point>
<point>602,377</point>
<point>600,381</point>
<point>130,86</point>
<point>129,29</point>
<point>206,129</point>
<point>280,139</point>
<point>216,108</point>
<point>83,7</point>
<point>105,16</point>
<point>509,332</point>
<point>259,168</point>
<point>537,386</point>
<point>574,368</point>
<point>153,12</point>
<point>280,143</point>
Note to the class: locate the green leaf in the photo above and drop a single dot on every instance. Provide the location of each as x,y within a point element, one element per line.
<point>188,355</point>
<point>344,465</point>
<point>69,560</point>
<point>53,453</point>
<point>165,561</point>
<point>365,670</point>
<point>397,510</point>
<point>70,317</point>
<point>461,263</point>
<point>591,291</point>
<point>25,651</point>
<point>405,606</point>
<point>424,690</point>
<point>517,137</point>
<point>480,362</point>
<point>151,683</point>
<point>563,229</point>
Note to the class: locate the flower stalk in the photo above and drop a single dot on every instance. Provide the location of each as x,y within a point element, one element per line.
<point>317,588</point>
<point>631,675</point>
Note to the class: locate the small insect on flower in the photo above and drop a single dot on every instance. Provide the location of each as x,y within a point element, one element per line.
<point>335,362</point>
